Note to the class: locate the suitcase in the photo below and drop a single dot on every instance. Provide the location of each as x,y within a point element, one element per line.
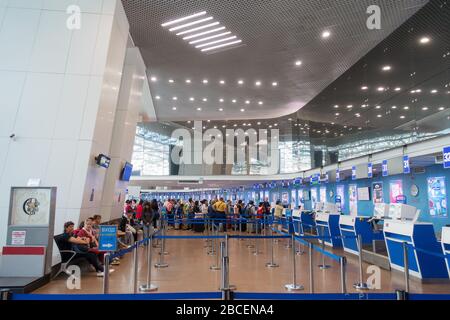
<point>198,227</point>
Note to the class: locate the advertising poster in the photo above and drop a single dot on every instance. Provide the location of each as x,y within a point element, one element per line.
<point>275,197</point>
<point>294,197</point>
<point>285,198</point>
<point>313,197</point>
<point>266,195</point>
<point>300,197</point>
<point>395,190</point>
<point>377,192</point>
<point>437,202</point>
<point>323,194</point>
<point>341,195</point>
<point>353,199</point>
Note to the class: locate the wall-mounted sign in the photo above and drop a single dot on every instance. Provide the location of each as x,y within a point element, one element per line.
<point>384,168</point>
<point>354,173</point>
<point>107,238</point>
<point>437,203</point>
<point>338,178</point>
<point>406,168</point>
<point>446,157</point>
<point>369,170</point>
<point>377,191</point>
<point>18,238</point>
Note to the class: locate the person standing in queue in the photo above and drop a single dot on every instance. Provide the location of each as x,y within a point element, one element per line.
<point>220,208</point>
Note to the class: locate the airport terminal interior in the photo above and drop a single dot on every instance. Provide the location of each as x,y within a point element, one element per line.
<point>222,150</point>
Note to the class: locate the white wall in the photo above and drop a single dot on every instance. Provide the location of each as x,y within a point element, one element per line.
<point>59,90</point>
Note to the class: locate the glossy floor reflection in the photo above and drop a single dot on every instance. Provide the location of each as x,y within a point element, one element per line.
<point>189,271</point>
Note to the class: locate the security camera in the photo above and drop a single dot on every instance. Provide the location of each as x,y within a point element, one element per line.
<point>13,137</point>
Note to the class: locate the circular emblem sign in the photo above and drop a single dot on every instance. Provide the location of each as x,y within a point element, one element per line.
<point>31,206</point>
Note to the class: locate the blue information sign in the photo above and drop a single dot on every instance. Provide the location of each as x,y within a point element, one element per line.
<point>108,238</point>
<point>446,156</point>
<point>406,168</point>
<point>338,178</point>
<point>384,168</point>
<point>354,173</point>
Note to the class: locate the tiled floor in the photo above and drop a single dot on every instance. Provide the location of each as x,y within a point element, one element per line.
<point>189,271</point>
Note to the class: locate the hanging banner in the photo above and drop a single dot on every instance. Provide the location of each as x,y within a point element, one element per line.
<point>369,170</point>
<point>446,157</point>
<point>437,202</point>
<point>384,168</point>
<point>406,168</point>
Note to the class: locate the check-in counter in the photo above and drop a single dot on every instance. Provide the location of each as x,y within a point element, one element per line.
<point>286,219</point>
<point>421,236</point>
<point>352,227</point>
<point>328,226</point>
<point>303,221</point>
<point>445,240</point>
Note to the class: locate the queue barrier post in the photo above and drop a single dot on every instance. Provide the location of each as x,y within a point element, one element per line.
<point>311,271</point>
<point>135,267</point>
<point>106,274</point>
<point>323,266</point>
<point>256,252</point>
<point>216,244</point>
<point>161,263</point>
<point>343,263</point>
<point>293,286</point>
<point>148,287</point>
<point>361,285</point>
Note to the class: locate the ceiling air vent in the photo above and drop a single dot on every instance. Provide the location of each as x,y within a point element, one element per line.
<point>418,170</point>
<point>190,182</point>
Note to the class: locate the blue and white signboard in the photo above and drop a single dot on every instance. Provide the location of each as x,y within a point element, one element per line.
<point>108,238</point>
<point>338,178</point>
<point>446,156</point>
<point>384,168</point>
<point>369,170</point>
<point>406,168</point>
<point>354,173</point>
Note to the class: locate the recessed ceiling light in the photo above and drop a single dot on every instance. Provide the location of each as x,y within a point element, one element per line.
<point>210,37</point>
<point>222,45</point>
<point>204,127</point>
<point>235,125</point>
<point>364,88</point>
<point>274,84</point>
<point>386,68</point>
<point>188,80</point>
<point>157,97</point>
<point>380,88</point>
<point>175,98</point>
<point>402,117</point>
<point>441,108</point>
<point>193,128</point>
<point>276,124</point>
<point>326,34</point>
<point>247,102</point>
<point>394,107</point>
<point>203,33</point>
<point>398,89</point>
<point>357,115</point>
<point>205,81</point>
<point>220,109</point>
<point>222,81</point>
<point>290,119</point>
<point>434,91</point>
<point>208,120</point>
<point>257,83</point>
<point>349,106</point>
<point>174,108</point>
<point>224,126</point>
<point>153,79</point>
<point>198,28</point>
<point>270,126</point>
<point>168,23</point>
<point>204,99</point>
<point>379,115</point>
<point>240,81</point>
<point>298,63</point>
<point>221,100</point>
<point>234,100</point>
<point>171,81</point>
<point>419,90</point>
<point>364,105</point>
<point>424,40</point>
<point>199,109</point>
<point>191,99</point>
<point>215,41</point>
<point>405,108</point>
<point>425,108</point>
<point>215,127</point>
<point>378,107</point>
<point>242,110</point>
<point>260,103</point>
<point>258,123</point>
<point>336,114</point>
<point>189,121</point>
<point>336,106</point>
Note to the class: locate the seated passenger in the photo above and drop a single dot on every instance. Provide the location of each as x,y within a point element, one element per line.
<point>81,246</point>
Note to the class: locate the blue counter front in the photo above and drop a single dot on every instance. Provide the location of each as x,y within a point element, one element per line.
<point>351,226</point>
<point>421,237</point>
<point>328,226</point>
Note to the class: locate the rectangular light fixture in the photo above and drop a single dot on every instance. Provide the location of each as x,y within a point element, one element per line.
<point>198,28</point>
<point>190,24</point>
<point>210,37</point>
<point>221,45</point>
<point>202,33</point>
<point>169,23</point>
<point>214,42</point>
